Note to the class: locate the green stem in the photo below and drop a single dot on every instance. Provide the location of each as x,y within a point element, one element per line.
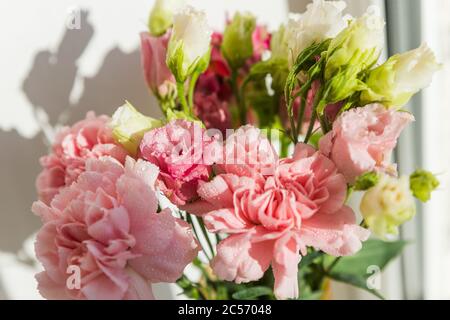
<point>303,93</point>
<point>236,92</point>
<point>190,221</point>
<point>205,234</point>
<point>192,84</point>
<point>182,98</point>
<point>314,115</point>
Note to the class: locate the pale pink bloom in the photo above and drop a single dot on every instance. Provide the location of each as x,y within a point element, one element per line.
<point>88,138</point>
<point>153,59</point>
<point>272,220</point>
<point>181,151</point>
<point>362,140</point>
<point>105,228</point>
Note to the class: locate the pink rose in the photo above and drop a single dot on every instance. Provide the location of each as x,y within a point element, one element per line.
<point>153,56</point>
<point>272,219</point>
<point>89,138</point>
<point>212,112</point>
<point>181,151</point>
<point>362,139</point>
<point>105,229</point>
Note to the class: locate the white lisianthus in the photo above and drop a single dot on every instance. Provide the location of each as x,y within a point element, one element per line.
<point>403,75</point>
<point>129,126</point>
<point>161,16</point>
<point>387,205</point>
<point>360,44</point>
<point>189,44</point>
<point>321,20</point>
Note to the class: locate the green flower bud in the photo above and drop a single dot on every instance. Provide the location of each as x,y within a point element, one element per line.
<point>161,16</point>
<point>422,183</point>
<point>237,45</point>
<point>129,126</point>
<point>366,181</point>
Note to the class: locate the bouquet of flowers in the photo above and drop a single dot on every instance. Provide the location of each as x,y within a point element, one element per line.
<point>247,177</point>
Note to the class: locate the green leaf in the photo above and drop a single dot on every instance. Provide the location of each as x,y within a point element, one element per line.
<point>366,181</point>
<point>354,269</point>
<point>252,293</point>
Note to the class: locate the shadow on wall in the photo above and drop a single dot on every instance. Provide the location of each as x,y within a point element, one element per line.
<point>48,87</point>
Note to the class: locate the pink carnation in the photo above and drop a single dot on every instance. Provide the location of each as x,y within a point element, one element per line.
<point>362,140</point>
<point>181,151</point>
<point>271,219</point>
<point>89,138</point>
<point>106,229</point>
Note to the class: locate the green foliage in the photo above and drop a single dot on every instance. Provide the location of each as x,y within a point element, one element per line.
<point>355,270</point>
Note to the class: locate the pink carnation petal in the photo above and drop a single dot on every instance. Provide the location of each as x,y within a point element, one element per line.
<point>336,234</point>
<point>166,247</point>
<point>285,266</point>
<point>241,260</point>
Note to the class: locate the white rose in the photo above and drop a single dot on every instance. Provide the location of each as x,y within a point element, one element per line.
<point>387,205</point>
<point>189,42</point>
<point>321,20</point>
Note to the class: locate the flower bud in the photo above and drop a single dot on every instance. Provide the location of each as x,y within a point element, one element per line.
<point>359,45</point>
<point>161,16</point>
<point>422,183</point>
<point>403,75</point>
<point>129,126</point>
<point>189,44</point>
<point>237,45</point>
<point>387,205</point>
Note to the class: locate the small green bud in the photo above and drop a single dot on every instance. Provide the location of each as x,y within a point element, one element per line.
<point>366,181</point>
<point>422,183</point>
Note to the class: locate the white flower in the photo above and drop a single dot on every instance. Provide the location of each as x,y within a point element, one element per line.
<point>321,20</point>
<point>360,44</point>
<point>161,16</point>
<point>189,42</point>
<point>387,205</point>
<point>403,75</point>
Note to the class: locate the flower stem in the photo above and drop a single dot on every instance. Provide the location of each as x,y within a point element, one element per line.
<point>236,92</point>
<point>192,84</point>
<point>303,93</point>
<point>182,98</point>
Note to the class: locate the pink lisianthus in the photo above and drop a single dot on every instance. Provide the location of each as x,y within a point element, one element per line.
<point>184,154</point>
<point>89,138</point>
<point>362,140</point>
<point>272,219</point>
<point>153,59</point>
<point>102,237</point>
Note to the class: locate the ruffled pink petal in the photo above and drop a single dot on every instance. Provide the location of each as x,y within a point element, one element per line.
<point>336,234</point>
<point>285,266</point>
<point>240,260</point>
